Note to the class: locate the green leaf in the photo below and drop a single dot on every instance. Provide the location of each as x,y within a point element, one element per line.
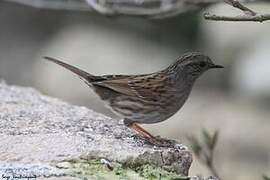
<point>195,145</point>
<point>207,139</point>
<point>214,140</point>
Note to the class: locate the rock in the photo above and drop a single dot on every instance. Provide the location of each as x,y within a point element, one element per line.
<point>210,178</point>
<point>63,165</point>
<point>40,135</point>
<point>60,178</point>
<point>16,170</point>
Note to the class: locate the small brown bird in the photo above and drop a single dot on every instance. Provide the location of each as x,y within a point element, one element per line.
<point>147,98</point>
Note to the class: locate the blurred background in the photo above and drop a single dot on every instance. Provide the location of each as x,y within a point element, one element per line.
<point>234,100</point>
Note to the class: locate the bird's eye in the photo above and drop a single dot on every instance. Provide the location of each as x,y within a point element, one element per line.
<point>202,64</point>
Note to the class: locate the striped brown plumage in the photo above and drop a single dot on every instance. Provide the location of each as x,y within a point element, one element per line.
<point>147,98</point>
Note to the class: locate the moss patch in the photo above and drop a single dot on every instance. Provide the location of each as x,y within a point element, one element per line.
<point>154,172</point>
<point>95,169</point>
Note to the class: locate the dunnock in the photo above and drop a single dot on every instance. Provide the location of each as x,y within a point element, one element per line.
<point>147,98</point>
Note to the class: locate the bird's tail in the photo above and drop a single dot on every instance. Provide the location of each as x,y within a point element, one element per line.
<point>82,74</point>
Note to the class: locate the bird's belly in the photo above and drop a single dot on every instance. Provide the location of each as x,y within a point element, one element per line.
<point>170,109</point>
<point>146,112</point>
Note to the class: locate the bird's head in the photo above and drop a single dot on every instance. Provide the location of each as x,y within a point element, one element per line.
<point>193,64</point>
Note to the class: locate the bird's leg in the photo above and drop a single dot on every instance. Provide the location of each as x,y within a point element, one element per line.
<point>147,136</point>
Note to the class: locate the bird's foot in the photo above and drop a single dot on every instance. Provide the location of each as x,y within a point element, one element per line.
<point>146,136</point>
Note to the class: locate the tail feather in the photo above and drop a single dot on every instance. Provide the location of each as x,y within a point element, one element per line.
<point>79,72</point>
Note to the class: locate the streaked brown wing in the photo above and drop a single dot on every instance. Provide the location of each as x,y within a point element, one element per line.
<point>151,86</point>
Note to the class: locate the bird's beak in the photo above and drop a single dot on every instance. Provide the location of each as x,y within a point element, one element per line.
<point>216,66</point>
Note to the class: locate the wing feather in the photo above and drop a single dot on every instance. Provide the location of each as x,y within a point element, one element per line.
<point>152,86</point>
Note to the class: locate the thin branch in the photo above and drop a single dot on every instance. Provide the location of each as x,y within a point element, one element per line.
<point>249,15</point>
<point>256,18</point>
<point>240,6</point>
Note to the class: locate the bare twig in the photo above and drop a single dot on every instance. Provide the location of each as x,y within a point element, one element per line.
<point>240,6</point>
<point>249,15</point>
<point>256,18</point>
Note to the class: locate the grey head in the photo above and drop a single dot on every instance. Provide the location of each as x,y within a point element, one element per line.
<point>191,65</point>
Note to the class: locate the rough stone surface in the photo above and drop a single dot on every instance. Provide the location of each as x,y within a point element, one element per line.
<point>23,171</point>
<point>45,129</point>
<point>210,178</point>
<point>38,130</point>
